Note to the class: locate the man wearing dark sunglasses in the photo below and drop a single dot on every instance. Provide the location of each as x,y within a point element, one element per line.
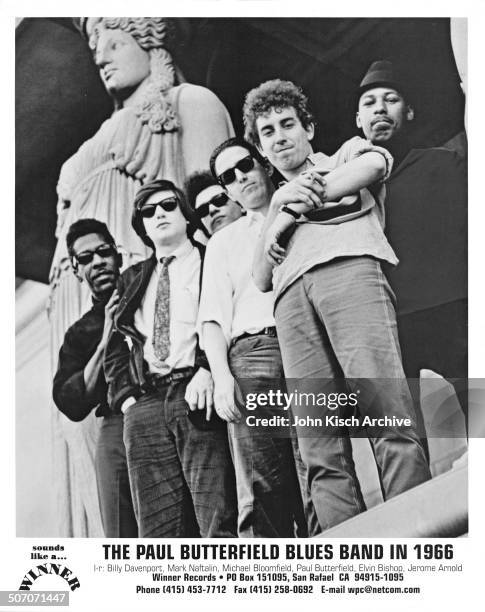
<point>79,384</point>
<point>178,457</point>
<point>211,203</point>
<point>238,332</point>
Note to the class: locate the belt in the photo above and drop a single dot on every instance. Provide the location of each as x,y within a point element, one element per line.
<point>162,380</point>
<point>267,331</point>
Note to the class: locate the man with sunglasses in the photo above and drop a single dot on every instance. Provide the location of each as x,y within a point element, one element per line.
<point>178,457</point>
<point>211,203</point>
<point>239,337</point>
<point>79,384</point>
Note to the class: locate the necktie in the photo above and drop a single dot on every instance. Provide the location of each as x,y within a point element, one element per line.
<point>161,322</point>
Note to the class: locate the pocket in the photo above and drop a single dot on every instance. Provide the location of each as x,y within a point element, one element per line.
<point>187,305</point>
<point>386,286</point>
<point>240,349</point>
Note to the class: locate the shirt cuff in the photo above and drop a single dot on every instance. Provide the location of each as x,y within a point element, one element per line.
<point>129,401</point>
<point>368,147</point>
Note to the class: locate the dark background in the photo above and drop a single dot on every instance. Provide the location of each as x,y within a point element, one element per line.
<point>61,102</point>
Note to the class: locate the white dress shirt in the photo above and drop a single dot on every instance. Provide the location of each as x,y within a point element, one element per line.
<point>183,273</point>
<point>229,296</point>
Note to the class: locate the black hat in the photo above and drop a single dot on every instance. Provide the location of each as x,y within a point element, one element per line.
<point>380,74</point>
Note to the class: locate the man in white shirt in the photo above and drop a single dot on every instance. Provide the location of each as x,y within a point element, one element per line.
<point>239,337</point>
<point>159,378</point>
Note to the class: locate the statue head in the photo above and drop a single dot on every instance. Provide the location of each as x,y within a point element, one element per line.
<point>149,32</point>
<point>130,51</point>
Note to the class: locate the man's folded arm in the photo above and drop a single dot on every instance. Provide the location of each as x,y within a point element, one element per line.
<point>69,394</point>
<point>69,388</point>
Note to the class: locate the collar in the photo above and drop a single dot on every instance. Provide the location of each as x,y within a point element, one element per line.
<point>254,217</point>
<point>315,158</point>
<point>180,252</point>
<point>312,160</point>
<point>98,303</point>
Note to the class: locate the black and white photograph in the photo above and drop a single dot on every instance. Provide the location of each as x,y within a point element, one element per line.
<point>245,305</point>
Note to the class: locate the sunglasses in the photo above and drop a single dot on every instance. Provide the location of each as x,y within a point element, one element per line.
<point>219,200</point>
<point>86,257</point>
<point>148,210</point>
<point>245,165</point>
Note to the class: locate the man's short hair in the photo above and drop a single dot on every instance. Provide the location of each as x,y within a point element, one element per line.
<point>236,141</point>
<point>269,95</point>
<point>197,182</point>
<point>142,196</point>
<point>83,227</point>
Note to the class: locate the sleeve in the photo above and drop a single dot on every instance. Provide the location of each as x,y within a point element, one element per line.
<point>355,147</point>
<point>216,302</point>
<point>69,389</point>
<point>453,169</point>
<point>117,371</point>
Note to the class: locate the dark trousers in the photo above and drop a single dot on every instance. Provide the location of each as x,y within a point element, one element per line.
<point>176,469</point>
<point>437,339</point>
<point>112,480</point>
<point>269,496</point>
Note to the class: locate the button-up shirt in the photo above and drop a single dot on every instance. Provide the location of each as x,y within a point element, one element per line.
<point>184,272</point>
<point>313,244</point>
<point>229,296</point>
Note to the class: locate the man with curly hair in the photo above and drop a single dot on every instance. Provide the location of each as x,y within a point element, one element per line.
<point>334,309</point>
<point>277,94</point>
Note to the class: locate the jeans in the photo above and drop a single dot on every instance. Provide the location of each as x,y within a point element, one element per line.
<point>338,320</point>
<point>112,479</point>
<point>269,497</point>
<point>176,469</point>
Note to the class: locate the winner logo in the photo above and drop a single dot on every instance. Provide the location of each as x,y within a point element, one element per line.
<point>52,569</point>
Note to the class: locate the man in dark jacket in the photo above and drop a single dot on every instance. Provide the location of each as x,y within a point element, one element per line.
<point>79,383</point>
<point>426,223</point>
<point>160,379</point>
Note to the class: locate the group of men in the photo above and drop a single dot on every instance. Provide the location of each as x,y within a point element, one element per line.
<point>289,286</point>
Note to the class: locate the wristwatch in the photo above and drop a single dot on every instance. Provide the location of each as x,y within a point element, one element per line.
<point>290,211</point>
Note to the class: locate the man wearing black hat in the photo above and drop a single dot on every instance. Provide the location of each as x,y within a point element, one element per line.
<point>426,223</point>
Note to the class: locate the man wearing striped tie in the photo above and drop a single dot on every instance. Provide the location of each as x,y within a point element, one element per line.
<point>178,457</point>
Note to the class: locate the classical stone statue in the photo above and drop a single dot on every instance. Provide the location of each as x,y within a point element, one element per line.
<point>161,127</point>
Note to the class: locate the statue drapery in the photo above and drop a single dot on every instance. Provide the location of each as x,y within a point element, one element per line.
<point>138,143</point>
